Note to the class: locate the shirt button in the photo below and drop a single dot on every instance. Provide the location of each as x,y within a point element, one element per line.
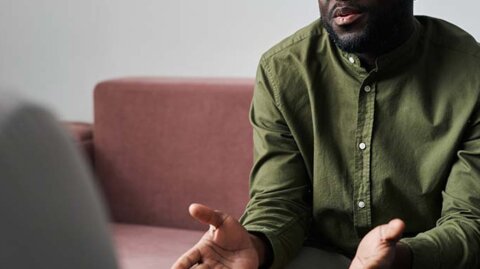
<point>361,204</point>
<point>351,59</point>
<point>362,146</point>
<point>367,89</point>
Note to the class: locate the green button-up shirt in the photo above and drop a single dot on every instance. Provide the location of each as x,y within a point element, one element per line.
<point>339,150</point>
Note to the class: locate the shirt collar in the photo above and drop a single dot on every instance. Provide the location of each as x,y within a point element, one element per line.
<point>394,59</point>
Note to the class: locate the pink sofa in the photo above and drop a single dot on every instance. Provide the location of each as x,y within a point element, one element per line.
<point>159,144</point>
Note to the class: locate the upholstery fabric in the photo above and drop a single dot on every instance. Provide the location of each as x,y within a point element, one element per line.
<point>148,247</point>
<point>161,144</point>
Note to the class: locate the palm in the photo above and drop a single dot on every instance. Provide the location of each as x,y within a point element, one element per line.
<point>373,252</point>
<point>227,246</point>
<point>377,248</point>
<point>215,256</point>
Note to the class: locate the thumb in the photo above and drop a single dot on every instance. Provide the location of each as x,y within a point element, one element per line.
<point>207,215</point>
<point>393,230</point>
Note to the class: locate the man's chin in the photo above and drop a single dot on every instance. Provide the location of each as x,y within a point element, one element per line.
<point>351,38</point>
<point>351,42</point>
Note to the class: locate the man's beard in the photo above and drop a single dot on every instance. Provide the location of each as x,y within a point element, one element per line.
<point>381,32</point>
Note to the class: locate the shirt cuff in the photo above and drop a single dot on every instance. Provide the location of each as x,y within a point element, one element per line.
<point>424,252</point>
<point>279,259</point>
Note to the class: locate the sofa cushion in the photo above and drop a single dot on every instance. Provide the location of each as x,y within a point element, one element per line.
<point>146,247</point>
<point>161,144</point>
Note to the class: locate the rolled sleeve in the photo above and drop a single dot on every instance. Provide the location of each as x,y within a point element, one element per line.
<point>280,197</point>
<point>455,241</point>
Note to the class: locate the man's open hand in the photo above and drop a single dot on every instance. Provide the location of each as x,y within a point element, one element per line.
<point>226,245</point>
<point>379,249</point>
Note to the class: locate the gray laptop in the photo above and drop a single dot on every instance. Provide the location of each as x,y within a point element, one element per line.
<point>51,215</point>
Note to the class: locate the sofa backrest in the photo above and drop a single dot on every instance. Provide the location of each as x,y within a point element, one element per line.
<point>163,143</point>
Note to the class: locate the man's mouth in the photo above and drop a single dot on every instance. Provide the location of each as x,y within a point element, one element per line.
<point>343,16</point>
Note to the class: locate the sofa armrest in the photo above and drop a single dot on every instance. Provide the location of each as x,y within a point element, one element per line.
<point>82,134</point>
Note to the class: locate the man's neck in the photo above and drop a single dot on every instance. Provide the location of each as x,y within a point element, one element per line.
<point>368,59</point>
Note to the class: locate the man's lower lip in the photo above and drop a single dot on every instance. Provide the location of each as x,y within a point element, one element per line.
<point>346,20</point>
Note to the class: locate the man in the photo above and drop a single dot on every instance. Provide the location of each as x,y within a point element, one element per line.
<point>369,116</point>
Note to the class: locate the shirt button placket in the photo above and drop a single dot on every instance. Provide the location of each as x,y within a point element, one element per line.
<point>364,135</point>
<point>351,59</point>
<point>362,146</point>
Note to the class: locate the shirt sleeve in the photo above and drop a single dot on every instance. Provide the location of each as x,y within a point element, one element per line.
<point>455,241</point>
<point>280,196</point>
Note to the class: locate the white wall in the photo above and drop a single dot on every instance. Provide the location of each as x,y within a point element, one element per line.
<point>55,51</point>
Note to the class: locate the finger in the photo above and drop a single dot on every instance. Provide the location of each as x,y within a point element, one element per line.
<point>207,215</point>
<point>393,230</point>
<point>202,266</point>
<point>187,260</point>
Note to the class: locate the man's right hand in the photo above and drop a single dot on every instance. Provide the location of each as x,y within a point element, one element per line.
<point>226,245</point>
